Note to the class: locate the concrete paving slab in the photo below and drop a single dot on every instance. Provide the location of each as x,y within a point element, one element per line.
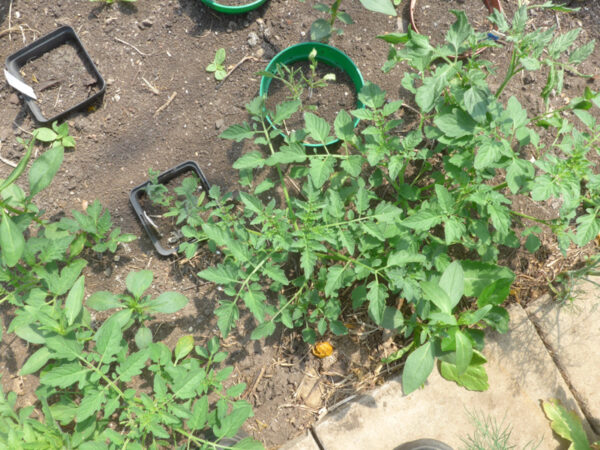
<point>521,374</point>
<point>573,333</point>
<point>304,442</point>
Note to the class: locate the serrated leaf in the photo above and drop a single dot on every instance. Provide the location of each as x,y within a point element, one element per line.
<point>287,154</point>
<point>417,368</point>
<point>321,168</point>
<point>45,134</point>
<point>186,386</point>
<point>133,364</point>
<point>372,95</point>
<point>64,375</point>
<point>344,125</point>
<point>285,110</point>
<point>588,228</point>
<point>265,329</point>
<point>90,404</point>
<point>251,160</point>
<point>317,127</point>
<point>422,220</point>
<point>238,132</point>
<point>227,314</point>
<point>376,295</point>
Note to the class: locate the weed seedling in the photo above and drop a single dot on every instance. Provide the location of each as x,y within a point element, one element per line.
<point>217,65</point>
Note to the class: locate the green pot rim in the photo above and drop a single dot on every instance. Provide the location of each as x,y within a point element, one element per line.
<point>228,9</point>
<point>326,54</point>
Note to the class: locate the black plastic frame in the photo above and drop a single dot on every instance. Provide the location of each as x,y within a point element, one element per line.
<point>164,177</point>
<point>58,37</point>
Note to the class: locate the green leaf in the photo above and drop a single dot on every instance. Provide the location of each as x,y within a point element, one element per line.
<point>582,53</point>
<point>320,30</point>
<point>455,124</point>
<point>285,110</point>
<point>380,6</point>
<point>263,330</point>
<point>459,32</point>
<point>321,168</point>
<point>377,295</point>
<point>227,314</point>
<point>185,387</point>
<point>103,300</point>
<point>108,339</point>
<point>36,361</point>
<point>138,282</point>
<point>167,302</point>
<point>133,365</point>
<point>45,134</point>
<point>220,56</point>
<point>287,154</point>
<point>74,301</point>
<point>464,352</point>
<point>392,318</point>
<point>317,128</point>
<point>417,368</point>
<point>64,375</point>
<point>422,220</point>
<point>143,338</point>
<point>474,378</point>
<point>337,277</point>
<point>479,275</point>
<point>476,103</point>
<point>453,283</point>
<point>251,160</point>
<point>237,133</point>
<point>566,424</point>
<point>495,293</point>
<point>372,95</point>
<point>12,242</point>
<point>343,125</point>
<point>588,228</point>
<point>199,414</point>
<point>44,168</point>
<point>90,404</point>
<point>229,425</point>
<point>438,296</point>
<point>184,346</point>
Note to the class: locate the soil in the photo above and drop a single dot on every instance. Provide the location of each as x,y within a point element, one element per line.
<point>60,79</point>
<point>433,17</point>
<point>326,101</point>
<point>167,45</point>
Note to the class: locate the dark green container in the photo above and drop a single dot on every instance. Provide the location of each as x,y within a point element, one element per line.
<point>229,9</point>
<point>325,54</point>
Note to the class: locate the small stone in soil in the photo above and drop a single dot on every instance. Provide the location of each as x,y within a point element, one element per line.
<point>252,39</point>
<point>219,124</point>
<point>13,99</point>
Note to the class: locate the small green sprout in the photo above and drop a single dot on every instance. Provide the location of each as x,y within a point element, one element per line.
<point>217,65</point>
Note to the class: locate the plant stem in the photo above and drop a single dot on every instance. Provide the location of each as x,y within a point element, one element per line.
<point>511,72</point>
<point>534,219</point>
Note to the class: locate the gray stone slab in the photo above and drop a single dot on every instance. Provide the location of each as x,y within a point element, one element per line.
<point>521,374</point>
<point>573,333</point>
<point>304,442</point>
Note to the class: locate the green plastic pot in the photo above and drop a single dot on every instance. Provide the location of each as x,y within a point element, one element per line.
<point>325,54</point>
<point>229,9</point>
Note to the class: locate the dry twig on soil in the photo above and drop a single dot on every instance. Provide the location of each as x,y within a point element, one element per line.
<point>163,107</point>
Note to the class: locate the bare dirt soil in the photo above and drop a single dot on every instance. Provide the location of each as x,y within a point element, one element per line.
<point>162,108</point>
